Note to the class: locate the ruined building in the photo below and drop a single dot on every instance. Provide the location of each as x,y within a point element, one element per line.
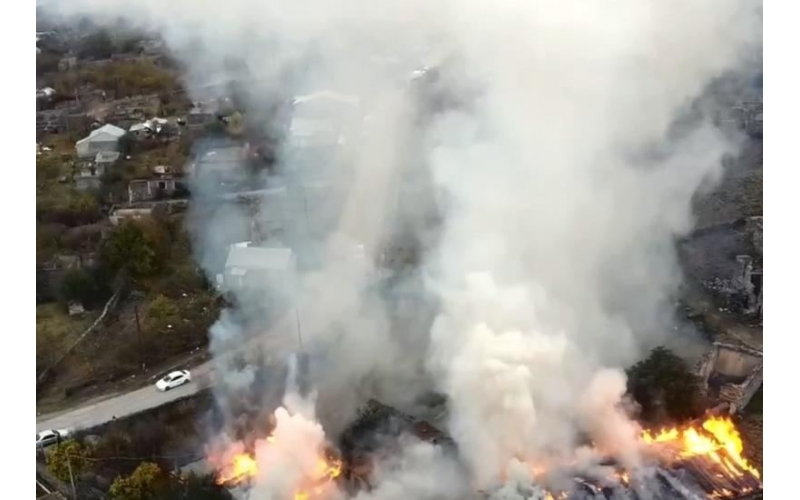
<point>732,374</point>
<point>747,281</point>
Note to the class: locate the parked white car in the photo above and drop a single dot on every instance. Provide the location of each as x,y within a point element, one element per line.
<point>50,437</point>
<point>173,380</point>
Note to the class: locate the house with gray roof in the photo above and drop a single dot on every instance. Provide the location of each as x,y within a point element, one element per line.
<point>104,139</point>
<point>264,268</point>
<point>321,119</point>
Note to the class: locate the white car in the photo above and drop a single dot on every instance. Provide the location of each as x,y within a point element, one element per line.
<point>173,380</point>
<point>49,437</point>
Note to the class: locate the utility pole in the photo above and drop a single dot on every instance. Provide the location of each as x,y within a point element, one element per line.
<point>138,335</point>
<point>305,208</point>
<point>71,478</point>
<point>299,331</point>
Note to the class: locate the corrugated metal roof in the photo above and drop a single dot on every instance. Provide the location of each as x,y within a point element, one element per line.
<point>108,129</point>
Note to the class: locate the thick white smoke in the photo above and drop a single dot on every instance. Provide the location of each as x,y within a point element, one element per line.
<point>563,180</point>
<point>419,471</point>
<point>567,183</point>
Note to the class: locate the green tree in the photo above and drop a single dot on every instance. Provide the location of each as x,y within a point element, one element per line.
<point>98,45</point>
<point>79,286</point>
<point>71,209</point>
<point>163,310</point>
<point>70,450</point>
<point>47,62</point>
<point>47,241</point>
<point>48,168</point>
<point>665,388</point>
<point>147,482</point>
<point>135,248</point>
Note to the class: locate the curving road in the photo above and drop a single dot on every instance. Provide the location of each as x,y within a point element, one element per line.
<point>138,400</point>
<point>100,412</point>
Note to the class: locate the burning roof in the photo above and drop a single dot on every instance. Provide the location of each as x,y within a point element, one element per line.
<point>699,461</point>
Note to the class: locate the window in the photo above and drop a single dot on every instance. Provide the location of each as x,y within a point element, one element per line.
<point>162,185</point>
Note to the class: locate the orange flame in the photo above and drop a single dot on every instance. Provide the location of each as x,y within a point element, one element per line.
<point>716,438</point>
<point>242,466</point>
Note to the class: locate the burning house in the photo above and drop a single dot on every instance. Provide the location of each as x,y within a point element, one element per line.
<point>701,460</point>
<point>256,267</point>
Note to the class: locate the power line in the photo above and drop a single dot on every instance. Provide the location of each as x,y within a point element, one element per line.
<point>193,457</point>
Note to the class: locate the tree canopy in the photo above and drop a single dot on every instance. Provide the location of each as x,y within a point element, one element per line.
<point>72,451</point>
<point>130,78</point>
<point>73,208</point>
<point>98,45</point>
<point>163,311</point>
<point>665,388</point>
<point>137,248</point>
<point>77,285</point>
<point>148,481</point>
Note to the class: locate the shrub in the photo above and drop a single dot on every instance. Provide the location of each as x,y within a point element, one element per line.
<point>665,388</point>
<point>68,454</point>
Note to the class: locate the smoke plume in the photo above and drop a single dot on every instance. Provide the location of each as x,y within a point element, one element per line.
<point>564,142</point>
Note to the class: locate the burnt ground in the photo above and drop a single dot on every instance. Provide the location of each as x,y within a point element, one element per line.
<point>751,427</point>
<point>708,255</point>
<point>711,253</point>
<point>740,192</point>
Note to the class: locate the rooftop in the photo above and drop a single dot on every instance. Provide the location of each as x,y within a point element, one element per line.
<point>224,159</point>
<point>259,258</point>
<point>106,129</point>
<point>326,95</point>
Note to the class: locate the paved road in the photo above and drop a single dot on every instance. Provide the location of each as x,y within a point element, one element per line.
<point>135,401</point>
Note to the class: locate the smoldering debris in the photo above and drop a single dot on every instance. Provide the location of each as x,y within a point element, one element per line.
<point>382,433</point>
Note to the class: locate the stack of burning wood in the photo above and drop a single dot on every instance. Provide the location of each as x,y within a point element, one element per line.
<point>688,477</point>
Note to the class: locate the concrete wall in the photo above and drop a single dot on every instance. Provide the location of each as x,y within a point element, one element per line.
<point>751,386</point>
<point>735,364</point>
<point>129,213</point>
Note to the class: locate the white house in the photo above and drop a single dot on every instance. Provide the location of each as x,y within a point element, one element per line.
<point>105,159</point>
<point>320,119</point>
<point>258,267</point>
<point>105,138</point>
